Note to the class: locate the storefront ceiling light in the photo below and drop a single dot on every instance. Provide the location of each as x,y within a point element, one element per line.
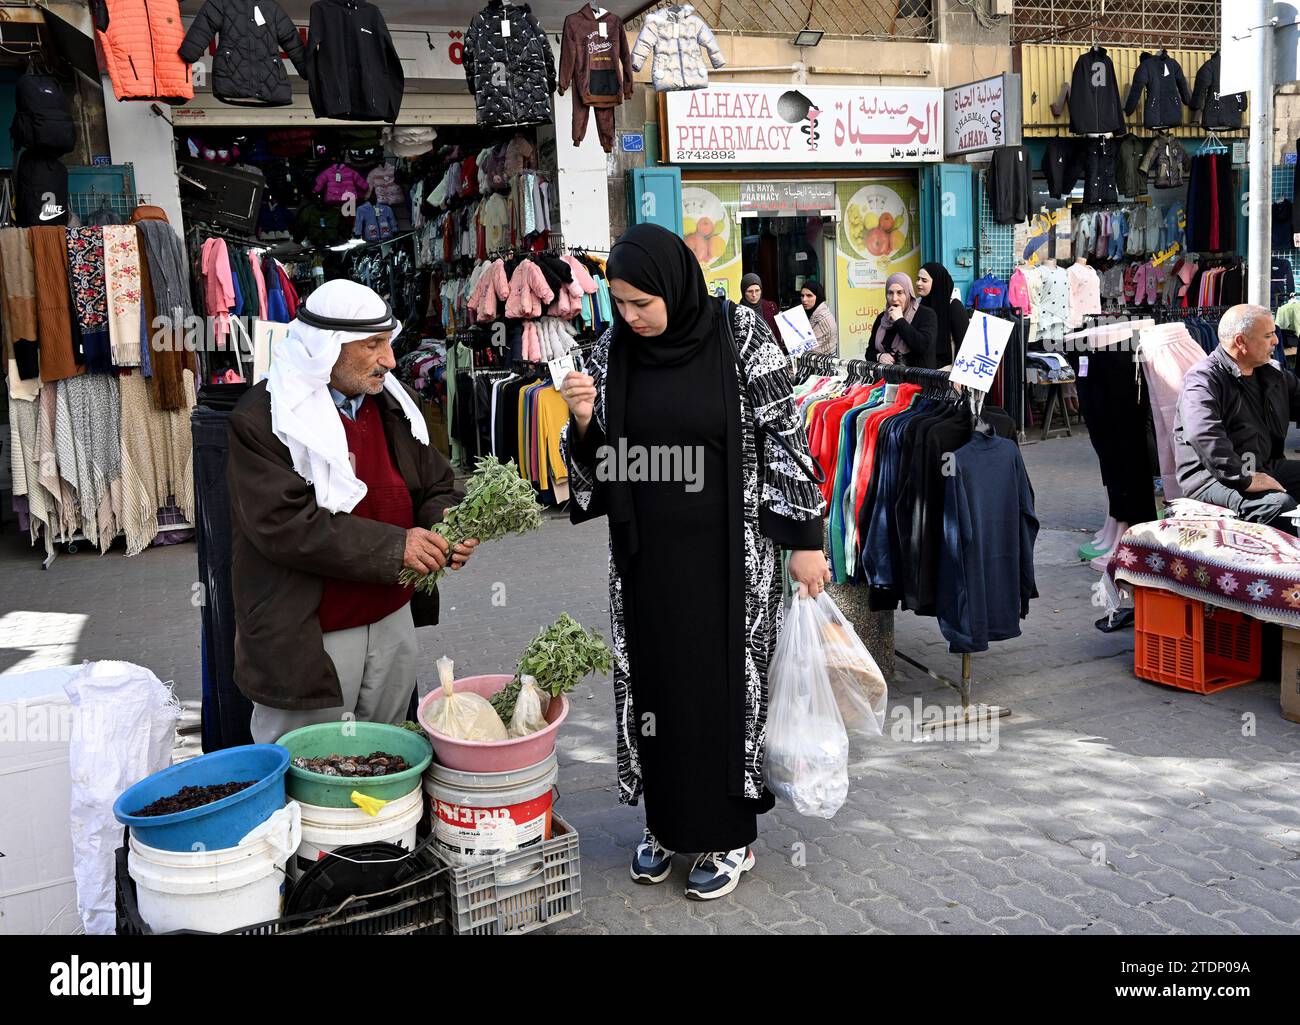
<point>808,37</point>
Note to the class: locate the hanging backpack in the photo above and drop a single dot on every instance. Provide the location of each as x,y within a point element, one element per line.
<point>43,120</point>
<point>40,190</point>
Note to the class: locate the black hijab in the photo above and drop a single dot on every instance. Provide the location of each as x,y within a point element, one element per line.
<point>939,300</point>
<point>817,289</point>
<point>658,262</point>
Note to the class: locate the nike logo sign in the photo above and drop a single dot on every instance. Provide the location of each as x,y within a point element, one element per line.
<point>46,215</point>
<point>367,31</point>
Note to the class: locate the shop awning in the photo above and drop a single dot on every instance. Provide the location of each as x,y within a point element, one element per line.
<point>416,13</point>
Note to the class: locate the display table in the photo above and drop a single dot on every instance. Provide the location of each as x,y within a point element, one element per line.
<point>1199,551</point>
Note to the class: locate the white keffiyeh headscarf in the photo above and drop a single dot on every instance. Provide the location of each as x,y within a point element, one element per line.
<point>303,414</point>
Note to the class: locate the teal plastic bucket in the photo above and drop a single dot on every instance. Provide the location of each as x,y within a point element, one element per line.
<point>353,738</point>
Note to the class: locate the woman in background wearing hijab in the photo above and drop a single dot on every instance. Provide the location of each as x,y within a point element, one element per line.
<point>695,553</point>
<point>824,328</point>
<point>751,297</point>
<point>905,332</point>
<point>935,287</point>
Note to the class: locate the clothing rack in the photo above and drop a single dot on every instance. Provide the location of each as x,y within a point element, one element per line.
<point>894,373</point>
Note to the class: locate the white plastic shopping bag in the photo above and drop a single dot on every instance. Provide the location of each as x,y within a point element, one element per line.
<point>807,759</point>
<point>856,681</point>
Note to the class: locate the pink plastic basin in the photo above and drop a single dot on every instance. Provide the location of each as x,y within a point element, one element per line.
<point>492,755</point>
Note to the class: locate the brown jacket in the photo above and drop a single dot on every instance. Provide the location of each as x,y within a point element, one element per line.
<point>598,66</point>
<point>284,545</point>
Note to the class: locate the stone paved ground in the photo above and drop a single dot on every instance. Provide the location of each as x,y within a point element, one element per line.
<point>1107,804</point>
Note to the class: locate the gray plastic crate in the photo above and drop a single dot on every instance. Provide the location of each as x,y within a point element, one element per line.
<point>545,887</point>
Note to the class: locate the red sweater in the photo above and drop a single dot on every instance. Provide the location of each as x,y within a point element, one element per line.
<point>345,603</point>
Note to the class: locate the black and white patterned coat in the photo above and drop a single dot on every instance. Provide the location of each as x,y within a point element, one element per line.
<point>778,501</point>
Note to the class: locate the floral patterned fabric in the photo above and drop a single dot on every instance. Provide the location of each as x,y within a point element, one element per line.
<point>1201,552</point>
<point>122,281</point>
<point>86,276</point>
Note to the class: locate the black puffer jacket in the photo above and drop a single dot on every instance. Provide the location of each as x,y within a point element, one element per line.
<point>1094,96</point>
<point>353,71</point>
<point>247,69</point>
<point>1217,110</point>
<point>1166,85</point>
<point>511,76</point>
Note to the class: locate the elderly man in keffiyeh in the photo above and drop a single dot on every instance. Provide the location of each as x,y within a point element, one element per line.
<point>331,473</point>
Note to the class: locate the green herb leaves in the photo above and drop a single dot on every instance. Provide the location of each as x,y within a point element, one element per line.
<point>557,658</point>
<point>497,502</point>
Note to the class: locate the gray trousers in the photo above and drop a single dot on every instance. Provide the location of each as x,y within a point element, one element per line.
<point>1264,506</point>
<point>376,667</point>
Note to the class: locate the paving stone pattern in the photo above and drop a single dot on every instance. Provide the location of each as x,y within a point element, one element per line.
<point>1105,805</point>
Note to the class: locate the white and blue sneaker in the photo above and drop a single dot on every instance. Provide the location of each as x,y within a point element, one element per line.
<point>651,863</point>
<point>718,873</point>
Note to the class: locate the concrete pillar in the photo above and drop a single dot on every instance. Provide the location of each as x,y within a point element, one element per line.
<point>138,136</point>
<point>582,180</point>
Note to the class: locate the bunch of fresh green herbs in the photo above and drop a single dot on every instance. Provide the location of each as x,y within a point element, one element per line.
<point>497,502</point>
<point>557,658</point>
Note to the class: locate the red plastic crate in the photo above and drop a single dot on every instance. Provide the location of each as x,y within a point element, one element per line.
<point>1186,643</point>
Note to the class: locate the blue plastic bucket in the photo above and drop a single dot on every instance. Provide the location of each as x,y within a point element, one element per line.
<point>220,824</point>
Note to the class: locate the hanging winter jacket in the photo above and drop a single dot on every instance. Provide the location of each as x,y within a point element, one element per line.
<point>1094,96</point>
<point>1217,110</point>
<point>43,119</point>
<point>141,41</point>
<point>247,69</point>
<point>676,36</point>
<point>1166,163</point>
<point>1099,167</point>
<point>1011,193</point>
<point>1166,86</point>
<point>1062,166</point>
<point>512,73</point>
<point>353,71</point>
<point>1130,178</point>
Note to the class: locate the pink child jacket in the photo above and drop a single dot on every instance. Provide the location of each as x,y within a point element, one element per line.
<point>529,291</point>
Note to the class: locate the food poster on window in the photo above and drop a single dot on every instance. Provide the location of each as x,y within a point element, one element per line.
<point>879,235</point>
<point>711,228</point>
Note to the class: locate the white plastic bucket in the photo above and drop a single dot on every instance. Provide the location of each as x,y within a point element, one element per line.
<point>477,815</point>
<point>215,891</point>
<point>324,829</point>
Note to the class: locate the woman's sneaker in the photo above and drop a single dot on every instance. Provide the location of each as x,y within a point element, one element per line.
<point>718,873</point>
<point>651,863</point>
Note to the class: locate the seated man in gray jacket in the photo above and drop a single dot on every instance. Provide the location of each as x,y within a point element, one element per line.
<point>1232,421</point>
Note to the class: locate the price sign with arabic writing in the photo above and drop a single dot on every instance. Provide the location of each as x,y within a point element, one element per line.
<point>773,124</point>
<point>981,351</point>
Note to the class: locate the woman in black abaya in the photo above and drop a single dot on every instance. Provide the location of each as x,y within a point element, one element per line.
<point>695,580</point>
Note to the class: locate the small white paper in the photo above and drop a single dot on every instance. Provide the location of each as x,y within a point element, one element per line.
<point>800,256</point>
<point>267,334</point>
<point>604,30</point>
<point>796,330</point>
<point>1166,67</point>
<point>1083,366</point>
<point>560,367</point>
<point>505,28</point>
<point>257,16</point>
<point>981,351</point>
<point>338,176</point>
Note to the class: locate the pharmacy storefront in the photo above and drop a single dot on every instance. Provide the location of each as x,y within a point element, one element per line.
<point>806,183</point>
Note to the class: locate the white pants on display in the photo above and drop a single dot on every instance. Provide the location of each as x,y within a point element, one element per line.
<point>376,667</point>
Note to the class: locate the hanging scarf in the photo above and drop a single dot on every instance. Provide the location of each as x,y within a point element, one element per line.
<point>122,281</point>
<point>89,295</point>
<point>909,311</point>
<point>303,414</point>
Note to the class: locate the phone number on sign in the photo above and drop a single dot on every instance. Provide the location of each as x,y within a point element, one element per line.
<point>706,154</point>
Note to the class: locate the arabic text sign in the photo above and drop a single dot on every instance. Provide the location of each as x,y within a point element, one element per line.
<point>981,351</point>
<point>787,197</point>
<point>773,124</point>
<point>982,115</point>
<point>796,330</point>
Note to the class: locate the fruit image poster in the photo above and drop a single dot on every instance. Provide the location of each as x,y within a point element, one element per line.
<point>879,234</point>
<point>711,229</point>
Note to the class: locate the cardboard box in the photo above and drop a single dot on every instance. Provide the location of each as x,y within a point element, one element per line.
<point>1291,675</point>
